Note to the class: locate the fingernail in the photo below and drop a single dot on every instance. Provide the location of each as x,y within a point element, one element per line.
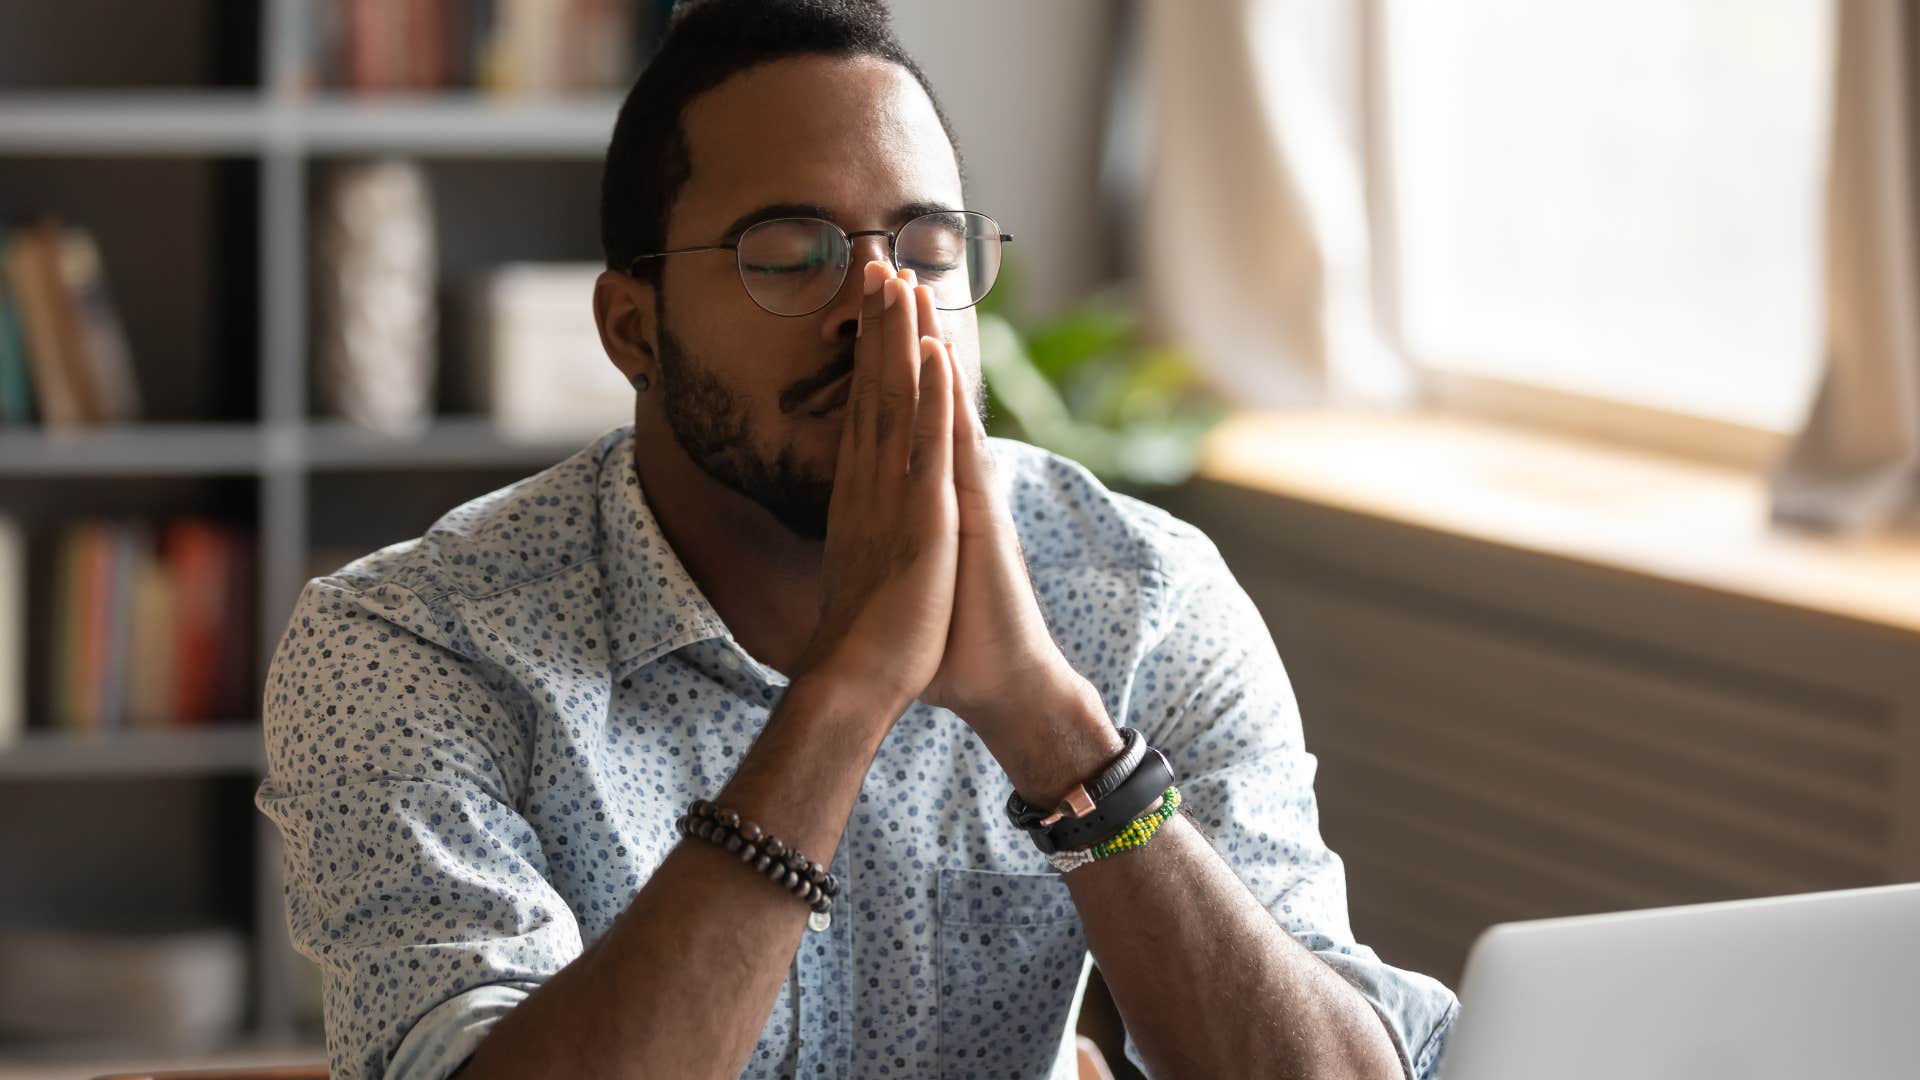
<point>889,293</point>
<point>876,276</point>
<point>912,280</point>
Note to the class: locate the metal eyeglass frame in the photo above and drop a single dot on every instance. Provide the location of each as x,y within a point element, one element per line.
<point>893,255</point>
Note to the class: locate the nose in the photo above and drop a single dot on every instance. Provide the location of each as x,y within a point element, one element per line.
<point>843,315</point>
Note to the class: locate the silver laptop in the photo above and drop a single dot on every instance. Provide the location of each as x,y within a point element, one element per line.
<point>1784,988</point>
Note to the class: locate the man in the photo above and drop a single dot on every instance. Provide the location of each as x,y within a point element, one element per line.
<point>803,585</point>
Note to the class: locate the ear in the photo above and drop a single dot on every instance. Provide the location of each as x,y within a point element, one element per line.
<point>623,310</point>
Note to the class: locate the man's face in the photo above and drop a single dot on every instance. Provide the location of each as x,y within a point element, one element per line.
<point>858,140</point>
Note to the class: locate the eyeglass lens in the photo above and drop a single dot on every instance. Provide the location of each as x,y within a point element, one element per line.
<point>795,266</point>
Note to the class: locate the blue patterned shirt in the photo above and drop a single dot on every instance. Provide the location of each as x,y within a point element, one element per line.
<point>478,741</point>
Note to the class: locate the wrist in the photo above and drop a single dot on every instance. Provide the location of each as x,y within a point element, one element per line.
<point>828,690</point>
<point>1060,736</point>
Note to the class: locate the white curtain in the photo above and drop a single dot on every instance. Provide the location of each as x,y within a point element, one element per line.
<point>1255,251</point>
<point>1856,464</point>
<point>1266,245</point>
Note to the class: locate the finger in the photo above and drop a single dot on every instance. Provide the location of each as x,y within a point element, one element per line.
<point>899,377</point>
<point>972,462</point>
<point>872,274</point>
<point>928,314</point>
<point>863,391</point>
<point>931,464</point>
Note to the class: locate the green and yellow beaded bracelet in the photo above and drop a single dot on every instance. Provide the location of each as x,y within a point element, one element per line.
<point>1136,834</point>
<point>1140,829</point>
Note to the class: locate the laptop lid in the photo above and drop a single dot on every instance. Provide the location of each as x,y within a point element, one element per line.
<point>1782,988</point>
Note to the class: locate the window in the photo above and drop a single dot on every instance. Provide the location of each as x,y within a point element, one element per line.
<point>1619,199</point>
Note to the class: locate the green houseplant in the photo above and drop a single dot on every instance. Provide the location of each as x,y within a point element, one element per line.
<point>1085,384</point>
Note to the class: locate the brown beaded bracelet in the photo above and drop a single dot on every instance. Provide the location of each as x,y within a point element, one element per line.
<point>803,878</point>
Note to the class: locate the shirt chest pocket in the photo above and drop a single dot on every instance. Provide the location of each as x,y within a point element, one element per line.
<point>1011,948</point>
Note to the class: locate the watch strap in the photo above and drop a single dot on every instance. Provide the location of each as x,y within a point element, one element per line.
<point>1135,796</point>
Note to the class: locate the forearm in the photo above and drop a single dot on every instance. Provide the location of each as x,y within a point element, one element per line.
<point>1205,979</point>
<point>682,984</point>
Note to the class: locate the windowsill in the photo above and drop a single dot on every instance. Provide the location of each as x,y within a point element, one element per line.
<point>1664,517</point>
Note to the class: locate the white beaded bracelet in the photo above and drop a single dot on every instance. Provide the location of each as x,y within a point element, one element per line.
<point>1064,861</point>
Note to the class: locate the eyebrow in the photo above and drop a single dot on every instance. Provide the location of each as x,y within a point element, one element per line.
<point>900,215</point>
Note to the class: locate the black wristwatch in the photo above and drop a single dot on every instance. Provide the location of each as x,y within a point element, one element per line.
<point>1099,808</point>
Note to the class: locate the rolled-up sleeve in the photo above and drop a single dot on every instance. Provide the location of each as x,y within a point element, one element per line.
<point>1212,694</point>
<point>393,772</point>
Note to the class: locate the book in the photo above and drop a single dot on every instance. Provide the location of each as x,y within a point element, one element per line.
<point>150,674</point>
<point>59,330</point>
<point>83,566</point>
<point>233,683</point>
<point>13,630</point>
<point>122,542</point>
<point>324,30</point>
<point>426,34</point>
<point>75,615</point>
<point>107,362</point>
<point>371,43</point>
<point>606,43</point>
<point>193,550</point>
<point>33,281</point>
<point>212,646</point>
<point>98,563</point>
<point>65,315</point>
<point>152,624</point>
<point>60,655</point>
<point>16,389</point>
<point>502,47</point>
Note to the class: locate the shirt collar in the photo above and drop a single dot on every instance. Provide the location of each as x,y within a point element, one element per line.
<point>653,605</point>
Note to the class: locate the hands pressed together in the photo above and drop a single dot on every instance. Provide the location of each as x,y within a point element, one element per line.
<point>926,595</point>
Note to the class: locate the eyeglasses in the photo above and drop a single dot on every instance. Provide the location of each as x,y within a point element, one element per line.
<point>795,266</point>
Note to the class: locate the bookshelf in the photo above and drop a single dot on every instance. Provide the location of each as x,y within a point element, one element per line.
<point>223,749</point>
<point>195,157</point>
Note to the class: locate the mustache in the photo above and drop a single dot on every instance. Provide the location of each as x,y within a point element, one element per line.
<point>796,395</point>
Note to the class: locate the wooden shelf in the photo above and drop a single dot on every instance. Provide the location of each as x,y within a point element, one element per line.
<point>457,124</point>
<point>244,122</point>
<point>212,750</point>
<point>240,449</point>
<point>133,450</point>
<point>453,442</point>
<point>132,123</point>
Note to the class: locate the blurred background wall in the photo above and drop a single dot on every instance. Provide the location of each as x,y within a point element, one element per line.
<point>1026,86</point>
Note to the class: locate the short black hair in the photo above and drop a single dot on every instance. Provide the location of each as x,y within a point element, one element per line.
<point>706,43</point>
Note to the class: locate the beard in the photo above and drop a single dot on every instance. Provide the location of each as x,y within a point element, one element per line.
<point>709,419</point>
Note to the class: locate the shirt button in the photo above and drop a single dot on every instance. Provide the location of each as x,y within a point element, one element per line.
<point>730,660</point>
